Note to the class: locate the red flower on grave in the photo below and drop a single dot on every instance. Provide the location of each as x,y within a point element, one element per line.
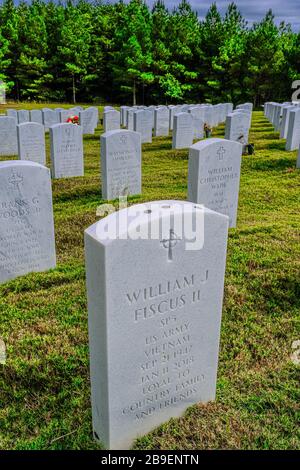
<point>73,120</point>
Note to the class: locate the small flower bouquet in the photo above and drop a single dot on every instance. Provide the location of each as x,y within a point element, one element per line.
<point>73,120</point>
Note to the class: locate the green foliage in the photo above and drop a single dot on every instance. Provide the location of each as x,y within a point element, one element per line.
<point>123,52</point>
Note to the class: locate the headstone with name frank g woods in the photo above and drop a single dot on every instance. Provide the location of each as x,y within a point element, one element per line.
<point>26,219</point>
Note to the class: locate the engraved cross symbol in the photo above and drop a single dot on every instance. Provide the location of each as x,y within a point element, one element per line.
<point>221,153</point>
<point>123,139</point>
<point>15,180</point>
<point>170,243</point>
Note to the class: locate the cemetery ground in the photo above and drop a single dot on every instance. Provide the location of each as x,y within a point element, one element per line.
<point>44,385</point>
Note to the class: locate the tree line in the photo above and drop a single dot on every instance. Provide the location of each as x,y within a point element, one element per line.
<point>131,53</point>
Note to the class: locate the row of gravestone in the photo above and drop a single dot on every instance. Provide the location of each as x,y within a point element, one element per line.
<point>187,122</point>
<point>213,172</point>
<point>88,118</point>
<point>162,117</point>
<point>66,145</point>
<point>285,118</point>
<point>165,319</point>
<point>121,151</point>
<point>213,180</point>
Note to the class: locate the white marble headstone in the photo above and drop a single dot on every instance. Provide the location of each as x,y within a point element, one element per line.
<point>8,136</point>
<point>172,111</point>
<point>123,110</point>
<point>23,116</point>
<point>293,133</point>
<point>161,121</point>
<point>66,146</point>
<point>26,219</point>
<point>142,123</point>
<point>129,118</point>
<point>88,120</point>
<point>237,127</point>
<point>214,176</point>
<point>153,331</point>
<point>209,115</point>
<point>248,106</point>
<point>183,131</point>
<point>50,118</point>
<point>120,163</point>
<point>111,120</point>
<point>31,142</point>
<point>12,113</point>
<point>36,116</point>
<point>197,114</point>
<point>284,125</point>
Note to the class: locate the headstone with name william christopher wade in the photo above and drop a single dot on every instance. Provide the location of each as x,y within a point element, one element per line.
<point>153,333</point>
<point>26,219</point>
<point>214,176</point>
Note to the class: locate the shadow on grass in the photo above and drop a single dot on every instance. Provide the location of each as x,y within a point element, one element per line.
<point>271,136</point>
<point>271,164</point>
<point>277,146</point>
<point>157,146</point>
<point>284,293</point>
<point>260,129</point>
<point>40,281</point>
<point>92,194</point>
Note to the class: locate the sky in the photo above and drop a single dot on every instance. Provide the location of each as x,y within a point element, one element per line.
<point>252,10</point>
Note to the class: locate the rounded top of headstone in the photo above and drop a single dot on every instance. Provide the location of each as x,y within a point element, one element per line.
<point>203,144</point>
<point>7,118</point>
<point>21,163</point>
<point>30,124</point>
<point>239,114</point>
<point>112,110</point>
<point>183,113</point>
<point>62,125</point>
<point>121,132</point>
<point>117,225</point>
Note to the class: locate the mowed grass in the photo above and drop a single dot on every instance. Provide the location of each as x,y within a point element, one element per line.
<point>44,386</point>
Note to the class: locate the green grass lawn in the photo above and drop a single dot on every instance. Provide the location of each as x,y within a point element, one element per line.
<point>44,386</point>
